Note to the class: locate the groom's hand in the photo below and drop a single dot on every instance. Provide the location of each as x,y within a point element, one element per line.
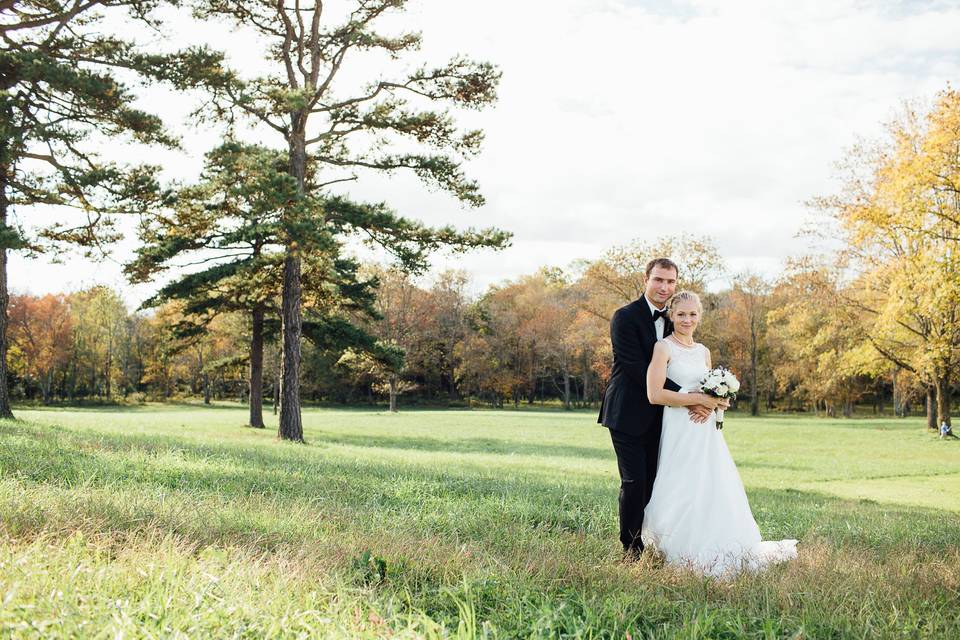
<point>699,413</point>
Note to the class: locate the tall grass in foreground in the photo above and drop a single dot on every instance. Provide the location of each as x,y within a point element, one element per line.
<point>165,522</point>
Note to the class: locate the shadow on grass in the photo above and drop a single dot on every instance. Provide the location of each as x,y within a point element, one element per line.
<point>466,445</point>
<point>265,494</point>
<point>155,407</point>
<point>857,422</point>
<point>307,406</point>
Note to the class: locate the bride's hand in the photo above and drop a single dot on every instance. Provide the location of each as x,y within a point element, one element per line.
<point>709,401</point>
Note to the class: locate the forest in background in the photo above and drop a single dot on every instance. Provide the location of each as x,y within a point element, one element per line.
<point>542,338</point>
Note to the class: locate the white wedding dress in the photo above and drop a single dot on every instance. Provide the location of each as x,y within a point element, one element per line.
<point>698,514</point>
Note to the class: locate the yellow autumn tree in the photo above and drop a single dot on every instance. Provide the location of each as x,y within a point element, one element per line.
<point>899,216</point>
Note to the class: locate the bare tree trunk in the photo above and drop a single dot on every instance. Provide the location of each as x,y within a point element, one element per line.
<point>585,396</point>
<point>72,389</point>
<point>932,407</point>
<point>63,383</point>
<point>393,393</point>
<point>754,392</point>
<point>45,385</point>
<point>897,400</point>
<point>5,410</point>
<point>256,369</point>
<point>566,390</point>
<point>943,400</point>
<point>452,379</point>
<point>204,375</point>
<point>108,367</point>
<point>276,387</point>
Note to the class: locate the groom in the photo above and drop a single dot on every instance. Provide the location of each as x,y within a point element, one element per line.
<point>634,423</point>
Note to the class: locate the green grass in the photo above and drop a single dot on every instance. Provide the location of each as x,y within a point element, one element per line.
<point>175,520</point>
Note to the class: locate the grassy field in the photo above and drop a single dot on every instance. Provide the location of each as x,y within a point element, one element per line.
<point>176,521</point>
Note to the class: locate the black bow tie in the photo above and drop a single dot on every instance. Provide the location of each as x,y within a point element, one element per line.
<point>660,313</point>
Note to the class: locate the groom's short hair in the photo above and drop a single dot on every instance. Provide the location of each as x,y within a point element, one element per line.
<point>663,263</point>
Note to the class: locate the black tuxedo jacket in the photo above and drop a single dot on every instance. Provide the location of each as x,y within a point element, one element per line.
<point>625,407</point>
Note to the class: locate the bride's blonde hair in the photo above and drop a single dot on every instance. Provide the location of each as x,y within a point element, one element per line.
<point>684,295</point>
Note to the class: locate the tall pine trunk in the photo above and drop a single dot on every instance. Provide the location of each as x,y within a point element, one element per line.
<point>256,369</point>
<point>5,410</point>
<point>291,424</point>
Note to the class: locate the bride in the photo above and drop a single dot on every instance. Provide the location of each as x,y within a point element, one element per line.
<point>698,514</point>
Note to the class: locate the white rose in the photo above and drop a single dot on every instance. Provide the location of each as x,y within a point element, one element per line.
<point>733,383</point>
<point>721,390</point>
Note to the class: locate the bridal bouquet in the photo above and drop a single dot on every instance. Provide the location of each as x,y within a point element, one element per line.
<point>720,383</point>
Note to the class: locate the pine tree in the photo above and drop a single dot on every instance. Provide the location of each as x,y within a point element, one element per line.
<point>59,92</point>
<point>334,134</point>
<point>230,224</point>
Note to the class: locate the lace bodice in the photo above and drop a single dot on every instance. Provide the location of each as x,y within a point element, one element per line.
<point>687,365</point>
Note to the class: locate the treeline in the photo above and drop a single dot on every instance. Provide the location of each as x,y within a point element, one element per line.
<point>543,337</point>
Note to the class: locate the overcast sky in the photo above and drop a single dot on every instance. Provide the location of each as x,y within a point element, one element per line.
<point>623,119</point>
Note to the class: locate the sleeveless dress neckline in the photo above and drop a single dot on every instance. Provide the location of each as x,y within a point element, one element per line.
<point>677,343</point>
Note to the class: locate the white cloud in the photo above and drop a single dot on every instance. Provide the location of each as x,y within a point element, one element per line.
<point>620,119</point>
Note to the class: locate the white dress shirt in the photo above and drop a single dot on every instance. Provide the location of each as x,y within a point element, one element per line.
<point>660,322</point>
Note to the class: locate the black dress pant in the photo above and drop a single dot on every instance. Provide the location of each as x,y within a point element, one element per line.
<point>637,462</point>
